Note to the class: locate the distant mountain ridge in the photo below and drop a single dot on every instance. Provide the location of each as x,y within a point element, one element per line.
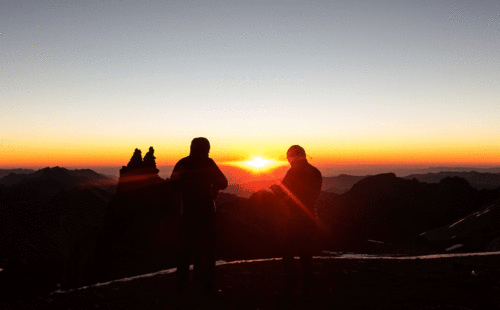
<point>4,172</point>
<point>337,184</point>
<point>71,178</point>
<point>385,207</point>
<point>465,169</point>
<point>478,180</point>
<point>341,183</point>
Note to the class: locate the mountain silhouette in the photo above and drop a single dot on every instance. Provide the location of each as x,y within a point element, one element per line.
<point>341,183</point>
<point>4,172</point>
<point>477,231</point>
<point>478,180</point>
<point>81,228</point>
<point>387,208</point>
<point>250,227</point>
<point>40,218</point>
<point>70,178</point>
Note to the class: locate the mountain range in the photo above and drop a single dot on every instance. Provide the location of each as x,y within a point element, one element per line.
<point>81,227</point>
<point>4,172</point>
<point>479,180</point>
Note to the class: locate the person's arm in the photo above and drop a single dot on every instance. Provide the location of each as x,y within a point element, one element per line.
<point>219,179</point>
<point>176,177</point>
<point>319,177</point>
<point>281,189</point>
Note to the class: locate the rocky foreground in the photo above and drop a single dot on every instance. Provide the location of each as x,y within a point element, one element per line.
<point>471,282</point>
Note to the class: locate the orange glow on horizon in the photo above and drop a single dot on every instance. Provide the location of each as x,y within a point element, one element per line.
<point>257,165</point>
<point>258,162</point>
<point>38,153</point>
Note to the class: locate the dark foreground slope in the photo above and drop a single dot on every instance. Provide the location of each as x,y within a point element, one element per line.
<point>445,283</point>
<point>76,237</point>
<point>478,231</point>
<point>387,208</point>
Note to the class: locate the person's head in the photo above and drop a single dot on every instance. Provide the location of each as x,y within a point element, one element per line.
<point>295,152</point>
<point>200,147</point>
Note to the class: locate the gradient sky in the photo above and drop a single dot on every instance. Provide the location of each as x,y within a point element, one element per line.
<point>83,83</point>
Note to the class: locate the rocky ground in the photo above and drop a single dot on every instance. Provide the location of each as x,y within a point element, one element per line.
<point>444,283</point>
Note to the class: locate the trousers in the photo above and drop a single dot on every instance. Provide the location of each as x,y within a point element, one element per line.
<point>197,241</point>
<point>298,242</point>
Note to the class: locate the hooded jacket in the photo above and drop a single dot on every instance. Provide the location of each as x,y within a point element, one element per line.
<point>198,179</point>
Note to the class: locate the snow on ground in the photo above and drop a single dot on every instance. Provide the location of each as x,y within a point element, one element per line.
<point>333,255</point>
<point>477,214</point>
<point>459,221</point>
<point>456,246</point>
<point>432,256</point>
<point>375,241</point>
<point>485,211</point>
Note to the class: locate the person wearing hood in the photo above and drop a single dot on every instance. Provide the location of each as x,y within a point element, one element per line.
<point>198,179</point>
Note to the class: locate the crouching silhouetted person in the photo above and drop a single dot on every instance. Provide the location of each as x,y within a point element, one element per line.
<point>199,180</point>
<point>300,188</point>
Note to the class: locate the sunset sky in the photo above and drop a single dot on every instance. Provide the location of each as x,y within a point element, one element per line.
<point>84,83</point>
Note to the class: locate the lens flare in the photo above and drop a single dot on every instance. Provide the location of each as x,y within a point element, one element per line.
<point>258,164</point>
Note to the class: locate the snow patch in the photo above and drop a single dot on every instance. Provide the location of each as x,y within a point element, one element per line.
<point>375,241</point>
<point>167,271</point>
<point>430,256</point>
<point>457,222</point>
<point>485,211</point>
<point>342,256</point>
<point>332,253</point>
<point>456,246</point>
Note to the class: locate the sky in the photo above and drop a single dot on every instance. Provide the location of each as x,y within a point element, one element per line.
<point>84,83</point>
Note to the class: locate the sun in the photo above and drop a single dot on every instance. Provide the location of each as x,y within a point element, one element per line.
<point>258,162</point>
<point>258,165</point>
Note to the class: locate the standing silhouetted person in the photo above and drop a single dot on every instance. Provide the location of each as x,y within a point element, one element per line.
<point>199,180</point>
<point>300,188</point>
<point>136,160</point>
<point>149,158</point>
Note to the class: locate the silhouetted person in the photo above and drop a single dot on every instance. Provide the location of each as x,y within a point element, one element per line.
<point>136,160</point>
<point>300,188</point>
<point>199,180</point>
<point>149,158</point>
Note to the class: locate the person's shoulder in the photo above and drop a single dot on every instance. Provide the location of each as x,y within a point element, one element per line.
<point>316,170</point>
<point>182,161</point>
<point>211,161</point>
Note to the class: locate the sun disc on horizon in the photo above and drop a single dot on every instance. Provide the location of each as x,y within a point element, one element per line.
<point>258,162</point>
<point>258,165</point>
